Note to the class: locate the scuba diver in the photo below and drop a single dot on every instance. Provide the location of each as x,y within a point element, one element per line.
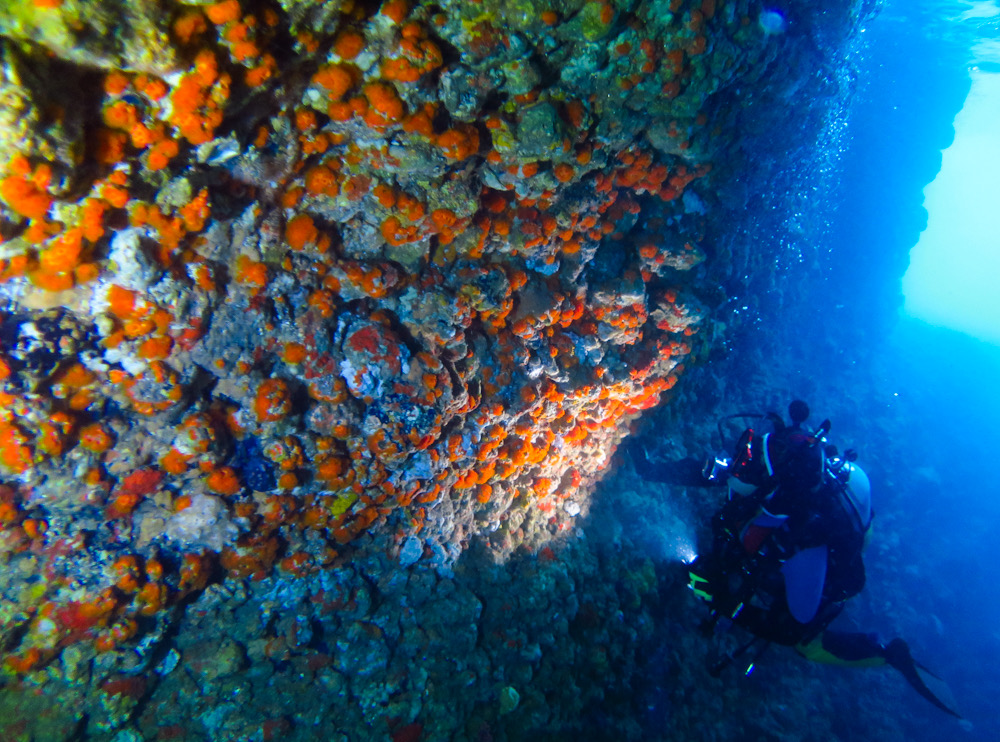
<point>787,547</point>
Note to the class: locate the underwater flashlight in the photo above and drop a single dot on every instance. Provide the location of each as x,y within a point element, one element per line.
<point>715,468</point>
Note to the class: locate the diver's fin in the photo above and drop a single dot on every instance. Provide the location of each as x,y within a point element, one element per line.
<point>924,682</point>
<point>937,691</point>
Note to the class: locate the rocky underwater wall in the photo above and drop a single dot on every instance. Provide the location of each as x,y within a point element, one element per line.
<point>301,299</point>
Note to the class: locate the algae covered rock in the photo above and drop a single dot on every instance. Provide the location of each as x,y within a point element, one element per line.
<point>107,34</point>
<point>539,131</point>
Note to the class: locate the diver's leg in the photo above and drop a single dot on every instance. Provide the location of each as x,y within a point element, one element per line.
<point>844,648</point>
<point>864,650</point>
<point>771,625</point>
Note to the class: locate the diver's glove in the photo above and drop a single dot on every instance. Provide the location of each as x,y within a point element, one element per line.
<point>701,578</point>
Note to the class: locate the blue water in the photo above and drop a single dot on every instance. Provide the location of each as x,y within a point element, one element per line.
<point>948,518</point>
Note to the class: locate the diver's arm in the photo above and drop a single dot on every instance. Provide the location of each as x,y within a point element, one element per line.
<point>686,472</point>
